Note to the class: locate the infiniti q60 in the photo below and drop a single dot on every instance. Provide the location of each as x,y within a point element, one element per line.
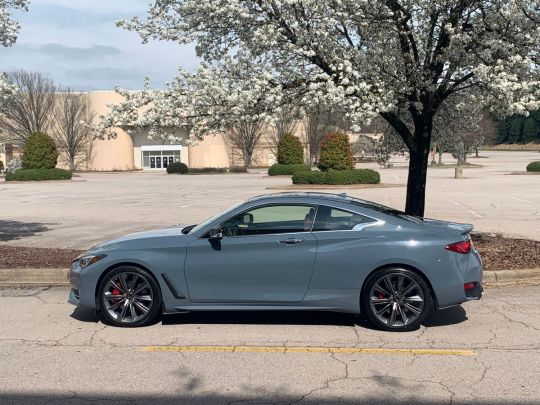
<point>288,251</point>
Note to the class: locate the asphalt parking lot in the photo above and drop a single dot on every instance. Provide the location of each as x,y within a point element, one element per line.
<point>95,207</point>
<point>482,352</point>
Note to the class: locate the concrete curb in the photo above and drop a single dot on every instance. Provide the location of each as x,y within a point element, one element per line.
<point>34,277</point>
<point>60,277</point>
<point>511,275</point>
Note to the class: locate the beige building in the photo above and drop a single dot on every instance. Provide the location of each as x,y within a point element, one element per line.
<point>136,152</point>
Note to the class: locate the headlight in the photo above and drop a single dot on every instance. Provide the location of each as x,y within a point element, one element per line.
<point>88,260</point>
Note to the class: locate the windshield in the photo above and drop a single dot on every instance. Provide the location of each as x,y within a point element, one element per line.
<point>213,218</point>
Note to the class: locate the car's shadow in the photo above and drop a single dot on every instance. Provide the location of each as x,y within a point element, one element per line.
<point>263,318</point>
<point>449,316</point>
<point>445,317</point>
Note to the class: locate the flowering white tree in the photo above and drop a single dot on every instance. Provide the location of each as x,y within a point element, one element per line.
<point>456,130</point>
<point>8,35</point>
<point>370,57</point>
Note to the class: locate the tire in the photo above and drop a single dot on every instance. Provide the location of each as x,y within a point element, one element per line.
<point>396,299</point>
<point>129,297</point>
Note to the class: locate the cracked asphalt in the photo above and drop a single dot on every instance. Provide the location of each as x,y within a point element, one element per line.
<point>51,353</point>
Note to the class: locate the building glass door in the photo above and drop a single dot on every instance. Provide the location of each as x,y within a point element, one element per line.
<point>159,159</point>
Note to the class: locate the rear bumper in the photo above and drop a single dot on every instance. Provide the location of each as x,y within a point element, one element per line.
<point>475,273</point>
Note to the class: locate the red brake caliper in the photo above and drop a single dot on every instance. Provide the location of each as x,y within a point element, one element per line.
<point>116,292</point>
<point>381,296</point>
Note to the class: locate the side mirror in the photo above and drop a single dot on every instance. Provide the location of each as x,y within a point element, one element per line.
<point>215,234</point>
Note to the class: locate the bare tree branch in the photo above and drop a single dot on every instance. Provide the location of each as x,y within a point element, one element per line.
<point>246,137</point>
<point>30,110</point>
<point>72,132</point>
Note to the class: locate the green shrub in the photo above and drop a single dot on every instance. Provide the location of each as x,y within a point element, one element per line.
<point>1,166</point>
<point>290,150</point>
<point>335,152</point>
<point>38,174</point>
<point>238,169</point>
<point>207,170</point>
<point>353,176</point>
<point>534,166</point>
<point>39,152</point>
<point>177,168</point>
<point>283,170</point>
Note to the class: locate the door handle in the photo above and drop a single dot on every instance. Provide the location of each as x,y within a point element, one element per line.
<point>291,241</point>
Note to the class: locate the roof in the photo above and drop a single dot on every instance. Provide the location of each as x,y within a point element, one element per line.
<point>324,196</point>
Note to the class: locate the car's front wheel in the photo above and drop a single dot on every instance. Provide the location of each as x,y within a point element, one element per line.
<point>129,297</point>
<point>396,299</point>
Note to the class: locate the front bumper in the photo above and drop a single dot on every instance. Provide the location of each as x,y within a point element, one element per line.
<point>74,283</point>
<point>82,285</point>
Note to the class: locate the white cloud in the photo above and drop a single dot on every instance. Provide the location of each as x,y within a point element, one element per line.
<point>63,37</point>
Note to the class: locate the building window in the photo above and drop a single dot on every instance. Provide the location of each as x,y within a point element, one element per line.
<point>159,159</point>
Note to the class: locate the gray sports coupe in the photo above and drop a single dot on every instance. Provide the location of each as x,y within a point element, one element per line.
<point>288,251</point>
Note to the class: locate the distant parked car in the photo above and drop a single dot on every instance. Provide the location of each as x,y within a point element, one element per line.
<point>289,251</point>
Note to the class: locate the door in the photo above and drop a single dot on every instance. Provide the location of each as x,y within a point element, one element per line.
<point>266,255</point>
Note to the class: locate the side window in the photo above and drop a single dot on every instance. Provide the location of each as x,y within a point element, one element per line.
<point>333,219</point>
<point>270,219</point>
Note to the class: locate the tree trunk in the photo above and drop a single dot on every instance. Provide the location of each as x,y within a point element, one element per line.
<point>418,145</point>
<point>440,158</point>
<point>248,156</point>
<point>416,181</point>
<point>477,152</point>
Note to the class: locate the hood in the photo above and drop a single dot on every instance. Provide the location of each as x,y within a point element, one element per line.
<point>147,237</point>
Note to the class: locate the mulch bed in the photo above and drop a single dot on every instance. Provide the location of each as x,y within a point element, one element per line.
<point>498,253</point>
<point>17,257</point>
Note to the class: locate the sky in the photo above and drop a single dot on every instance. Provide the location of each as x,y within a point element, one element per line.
<point>77,44</point>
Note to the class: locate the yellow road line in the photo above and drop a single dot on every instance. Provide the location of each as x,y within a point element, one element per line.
<point>309,349</point>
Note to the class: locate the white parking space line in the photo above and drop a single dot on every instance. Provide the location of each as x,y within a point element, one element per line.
<point>476,214</point>
<point>522,200</point>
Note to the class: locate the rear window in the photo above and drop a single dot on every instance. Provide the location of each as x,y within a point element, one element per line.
<point>333,219</point>
<point>385,210</point>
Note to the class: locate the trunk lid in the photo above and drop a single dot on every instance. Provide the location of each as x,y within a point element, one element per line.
<point>463,229</point>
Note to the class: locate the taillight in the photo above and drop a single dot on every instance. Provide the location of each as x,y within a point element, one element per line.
<point>460,247</point>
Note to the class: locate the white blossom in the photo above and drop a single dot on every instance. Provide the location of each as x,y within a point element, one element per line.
<point>8,35</point>
<point>370,57</point>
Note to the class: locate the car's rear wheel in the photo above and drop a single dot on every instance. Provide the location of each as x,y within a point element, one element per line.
<point>396,299</point>
<point>129,297</point>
